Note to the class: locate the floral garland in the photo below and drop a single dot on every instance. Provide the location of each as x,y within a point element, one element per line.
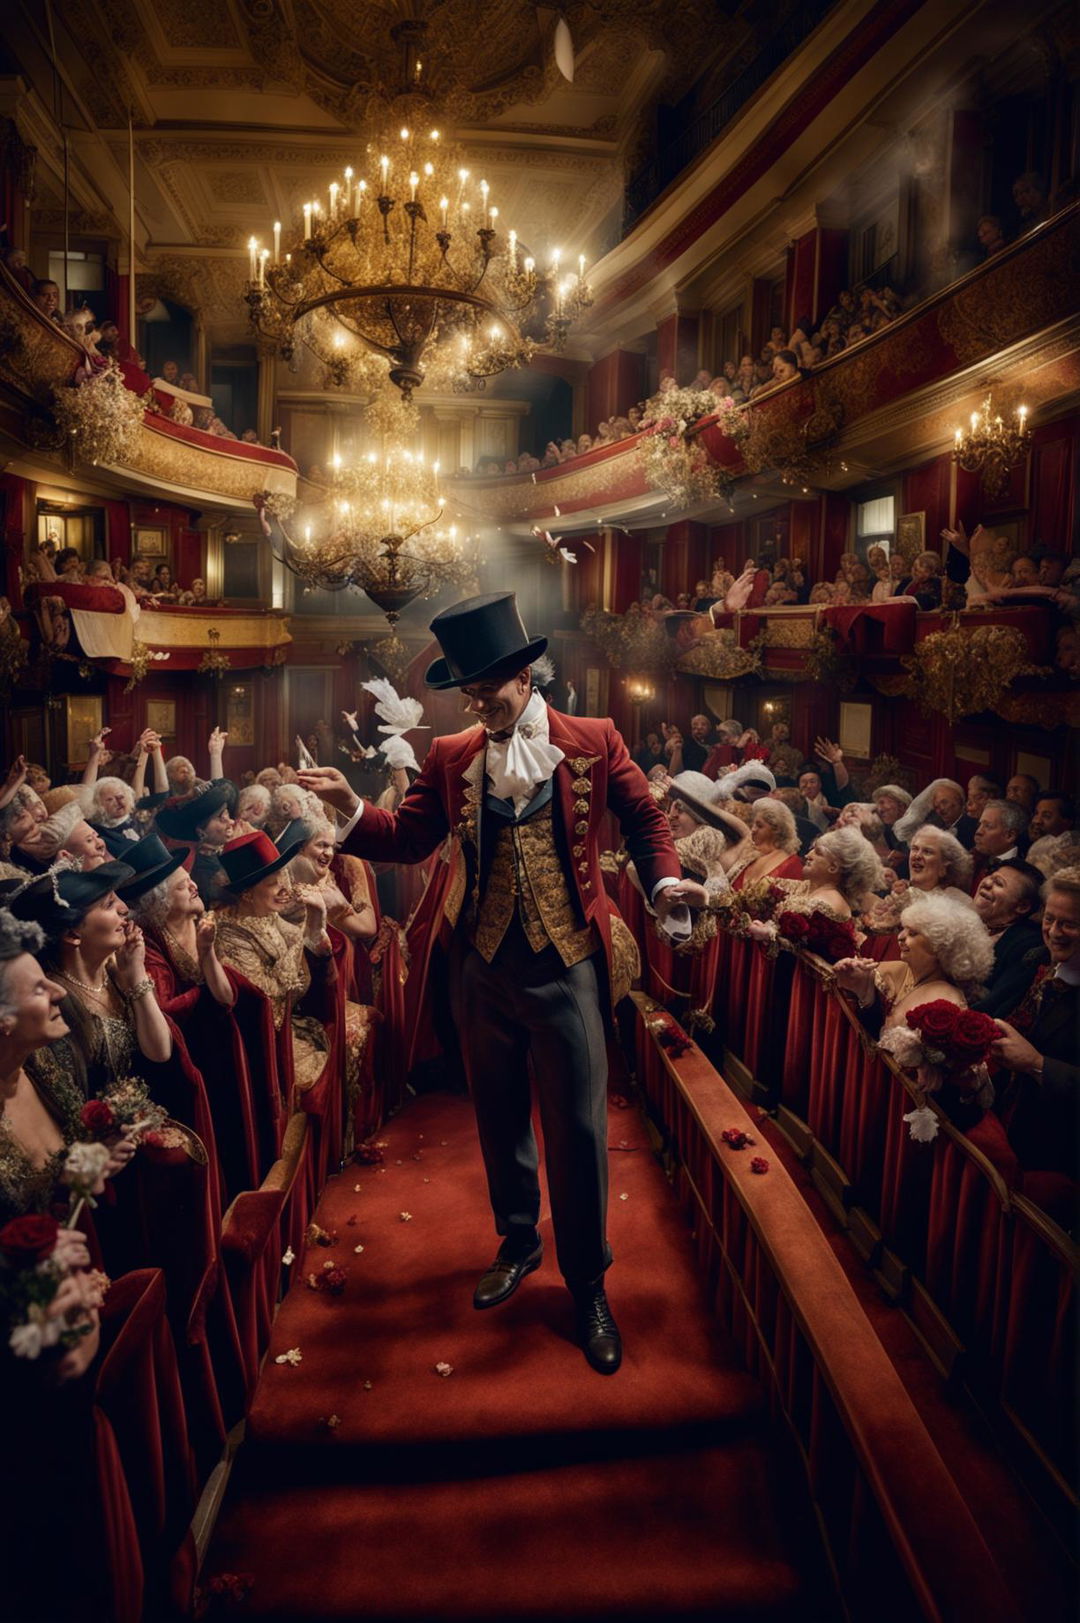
<point>962,672</point>
<point>101,417</point>
<point>674,460</point>
<point>633,639</point>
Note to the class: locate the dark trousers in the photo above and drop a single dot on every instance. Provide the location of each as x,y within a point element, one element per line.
<point>527,1006</point>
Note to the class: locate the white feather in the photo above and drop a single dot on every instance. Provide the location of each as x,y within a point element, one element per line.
<point>567,556</point>
<point>399,753</point>
<point>401,715</point>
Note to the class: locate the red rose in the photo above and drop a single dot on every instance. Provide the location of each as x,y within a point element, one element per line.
<point>934,1021</point>
<point>26,1241</point>
<point>794,926</point>
<point>734,1138</point>
<point>759,1164</point>
<point>98,1118</point>
<point>971,1037</point>
<point>839,941</point>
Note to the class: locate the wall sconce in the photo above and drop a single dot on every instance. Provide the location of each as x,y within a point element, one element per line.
<point>639,691</point>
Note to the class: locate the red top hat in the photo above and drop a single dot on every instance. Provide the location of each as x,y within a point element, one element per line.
<point>252,857</point>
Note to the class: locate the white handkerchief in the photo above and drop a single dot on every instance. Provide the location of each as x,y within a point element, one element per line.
<point>677,925</point>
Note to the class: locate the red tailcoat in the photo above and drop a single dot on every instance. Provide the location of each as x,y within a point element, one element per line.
<point>595,774</point>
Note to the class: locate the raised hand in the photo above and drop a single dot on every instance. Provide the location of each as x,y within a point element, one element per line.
<point>330,785</point>
<point>738,594</point>
<point>15,779</point>
<point>130,957</point>
<point>828,751</point>
<point>205,936</point>
<point>217,741</point>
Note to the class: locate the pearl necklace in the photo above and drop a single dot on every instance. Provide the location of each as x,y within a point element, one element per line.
<point>87,986</point>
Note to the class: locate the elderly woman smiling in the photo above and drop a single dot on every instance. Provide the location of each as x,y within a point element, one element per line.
<point>767,849</point>
<point>945,952</point>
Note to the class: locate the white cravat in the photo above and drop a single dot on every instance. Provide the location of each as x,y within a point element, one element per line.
<point>518,765</point>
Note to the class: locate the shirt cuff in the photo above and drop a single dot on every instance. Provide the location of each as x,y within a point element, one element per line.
<point>342,834</point>
<point>677,926</point>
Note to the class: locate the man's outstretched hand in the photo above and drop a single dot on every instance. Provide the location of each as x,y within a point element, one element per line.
<point>330,785</point>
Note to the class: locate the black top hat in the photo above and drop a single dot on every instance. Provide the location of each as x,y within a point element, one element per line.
<point>152,862</point>
<point>478,635</point>
<point>61,898</point>
<point>252,857</point>
<point>297,831</point>
<point>182,822</point>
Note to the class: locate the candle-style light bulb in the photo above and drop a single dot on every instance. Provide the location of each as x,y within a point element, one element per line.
<point>1022,413</point>
<point>252,248</point>
<point>334,189</point>
<point>414,181</point>
<point>307,221</point>
<point>277,242</point>
<point>404,133</point>
<point>581,268</point>
<point>384,165</point>
<point>444,210</point>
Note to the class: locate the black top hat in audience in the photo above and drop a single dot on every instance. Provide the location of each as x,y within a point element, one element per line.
<point>297,831</point>
<point>61,898</point>
<point>253,857</point>
<point>152,862</point>
<point>184,821</point>
<point>478,637</point>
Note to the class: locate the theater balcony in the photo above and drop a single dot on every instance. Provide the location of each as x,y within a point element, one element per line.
<point>882,404</point>
<point>38,360</point>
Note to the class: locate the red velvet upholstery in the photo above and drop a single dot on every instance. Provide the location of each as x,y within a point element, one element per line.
<point>138,1393</point>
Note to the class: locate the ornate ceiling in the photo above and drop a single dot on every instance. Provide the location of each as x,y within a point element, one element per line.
<point>241,108</point>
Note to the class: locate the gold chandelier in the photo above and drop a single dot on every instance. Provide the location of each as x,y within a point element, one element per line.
<point>993,447</point>
<point>402,258</point>
<point>378,530</point>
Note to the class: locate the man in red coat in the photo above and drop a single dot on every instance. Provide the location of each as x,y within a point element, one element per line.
<point>522,797</point>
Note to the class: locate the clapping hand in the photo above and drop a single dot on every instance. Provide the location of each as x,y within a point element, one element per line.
<point>205,936</point>
<point>828,751</point>
<point>130,957</point>
<point>855,975</point>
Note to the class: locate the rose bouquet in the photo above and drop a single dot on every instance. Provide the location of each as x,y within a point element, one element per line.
<point>754,904</point>
<point>945,1044</point>
<point>831,939</point>
<point>32,1273</point>
<point>123,1110</point>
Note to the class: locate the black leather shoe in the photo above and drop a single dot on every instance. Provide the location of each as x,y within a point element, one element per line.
<point>598,1334</point>
<point>505,1275</point>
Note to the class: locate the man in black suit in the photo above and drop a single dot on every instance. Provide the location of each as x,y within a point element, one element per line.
<point>1007,901</point>
<point>997,837</point>
<point>1039,1094</point>
<point>949,802</point>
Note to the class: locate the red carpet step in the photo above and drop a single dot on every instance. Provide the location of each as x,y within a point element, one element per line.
<point>522,1484</point>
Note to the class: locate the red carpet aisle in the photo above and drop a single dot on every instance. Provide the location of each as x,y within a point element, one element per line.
<point>521,1485</point>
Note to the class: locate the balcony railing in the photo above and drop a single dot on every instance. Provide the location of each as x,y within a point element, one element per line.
<point>37,359</point>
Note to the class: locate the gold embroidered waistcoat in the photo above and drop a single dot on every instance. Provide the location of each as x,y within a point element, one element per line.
<point>527,875</point>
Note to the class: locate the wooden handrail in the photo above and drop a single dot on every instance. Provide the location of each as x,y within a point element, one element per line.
<point>949,1564</point>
